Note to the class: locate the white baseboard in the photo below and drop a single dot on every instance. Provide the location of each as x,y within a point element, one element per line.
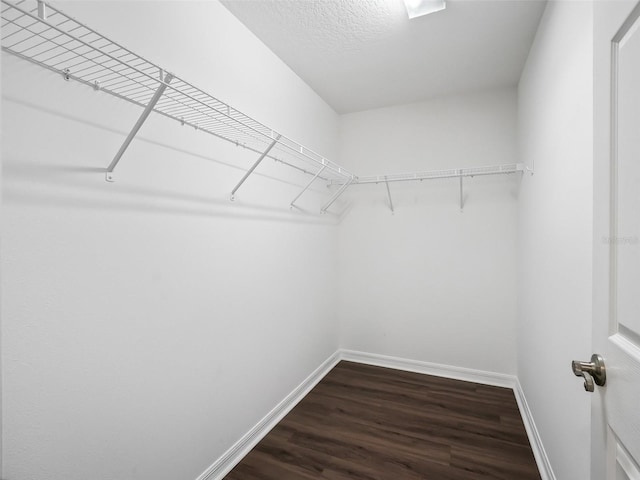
<point>439,370</point>
<point>546,472</point>
<point>242,447</point>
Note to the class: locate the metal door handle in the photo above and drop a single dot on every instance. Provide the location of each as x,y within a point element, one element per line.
<point>592,371</point>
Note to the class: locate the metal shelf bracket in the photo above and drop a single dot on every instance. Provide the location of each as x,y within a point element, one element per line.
<point>336,195</point>
<point>461,194</point>
<point>389,195</point>
<point>307,186</point>
<point>253,167</point>
<point>42,10</point>
<point>145,114</point>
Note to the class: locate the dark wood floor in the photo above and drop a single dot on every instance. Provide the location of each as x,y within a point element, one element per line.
<point>364,422</point>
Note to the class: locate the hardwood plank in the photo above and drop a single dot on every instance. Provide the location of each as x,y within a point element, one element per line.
<point>371,423</point>
<point>503,465</point>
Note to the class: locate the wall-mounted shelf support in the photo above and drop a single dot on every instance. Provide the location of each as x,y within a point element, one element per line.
<point>386,182</point>
<point>254,166</point>
<point>461,195</point>
<point>307,186</point>
<point>147,110</point>
<point>336,195</point>
<point>42,10</point>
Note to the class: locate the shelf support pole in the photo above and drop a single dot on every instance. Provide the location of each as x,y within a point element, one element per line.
<point>308,185</point>
<point>42,10</point>
<point>461,194</point>
<point>253,167</point>
<point>386,182</point>
<point>147,110</point>
<point>336,195</point>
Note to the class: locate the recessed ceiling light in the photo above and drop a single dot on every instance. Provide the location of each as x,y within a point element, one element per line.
<point>417,8</point>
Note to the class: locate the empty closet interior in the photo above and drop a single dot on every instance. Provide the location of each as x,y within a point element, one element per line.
<point>192,229</point>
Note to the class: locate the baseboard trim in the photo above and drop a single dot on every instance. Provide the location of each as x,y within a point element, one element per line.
<point>439,370</point>
<point>546,472</point>
<point>242,447</point>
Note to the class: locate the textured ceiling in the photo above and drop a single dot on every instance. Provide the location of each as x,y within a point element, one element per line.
<point>363,54</point>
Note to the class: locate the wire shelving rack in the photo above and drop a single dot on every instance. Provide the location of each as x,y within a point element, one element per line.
<point>459,173</point>
<point>36,31</point>
<point>439,174</point>
<point>40,33</point>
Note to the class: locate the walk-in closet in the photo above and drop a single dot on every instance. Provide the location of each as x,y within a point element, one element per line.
<point>320,239</point>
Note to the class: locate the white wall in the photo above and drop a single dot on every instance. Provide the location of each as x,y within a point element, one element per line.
<point>555,124</point>
<point>1,229</point>
<point>149,323</point>
<point>428,282</point>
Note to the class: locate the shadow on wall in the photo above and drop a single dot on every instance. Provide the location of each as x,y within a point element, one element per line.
<point>85,188</point>
<point>75,186</point>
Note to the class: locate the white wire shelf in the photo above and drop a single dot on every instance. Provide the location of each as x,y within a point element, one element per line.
<point>459,173</point>
<point>439,174</point>
<point>40,33</point>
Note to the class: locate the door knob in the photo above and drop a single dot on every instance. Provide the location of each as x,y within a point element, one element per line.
<point>592,371</point>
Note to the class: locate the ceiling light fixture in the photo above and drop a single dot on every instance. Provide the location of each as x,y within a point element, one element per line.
<point>417,8</point>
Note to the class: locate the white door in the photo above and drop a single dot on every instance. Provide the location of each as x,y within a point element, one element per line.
<point>616,329</point>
